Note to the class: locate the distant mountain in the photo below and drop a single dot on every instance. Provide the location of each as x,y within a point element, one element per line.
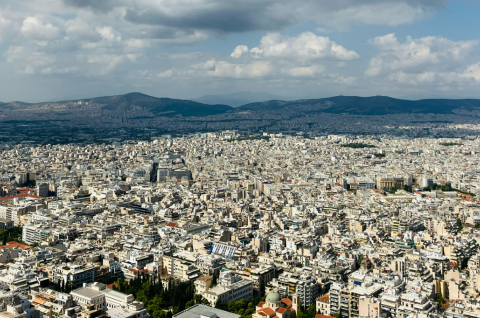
<point>376,105</point>
<point>235,99</point>
<point>140,110</point>
<point>165,107</point>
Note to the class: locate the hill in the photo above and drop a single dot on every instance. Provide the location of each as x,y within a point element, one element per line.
<point>376,105</point>
<point>165,107</point>
<point>235,99</point>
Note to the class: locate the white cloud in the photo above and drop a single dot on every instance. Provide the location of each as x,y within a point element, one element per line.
<point>221,69</point>
<point>239,50</point>
<point>304,71</point>
<point>108,62</point>
<point>305,46</point>
<point>472,71</point>
<point>80,30</point>
<point>5,25</point>
<point>429,63</point>
<point>39,29</point>
<point>120,38</point>
<point>251,70</point>
<point>416,55</point>
<point>208,65</point>
<point>109,34</point>
<point>276,59</point>
<point>64,70</point>
<point>167,74</point>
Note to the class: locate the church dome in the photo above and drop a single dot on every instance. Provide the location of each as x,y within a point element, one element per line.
<point>272,297</point>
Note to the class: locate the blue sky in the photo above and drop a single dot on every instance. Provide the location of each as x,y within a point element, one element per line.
<point>67,49</point>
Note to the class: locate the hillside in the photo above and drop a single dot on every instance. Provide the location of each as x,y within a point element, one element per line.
<point>377,105</point>
<point>165,107</point>
<point>235,99</point>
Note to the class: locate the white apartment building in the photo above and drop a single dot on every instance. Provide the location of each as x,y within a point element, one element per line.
<point>116,303</point>
<point>230,287</point>
<point>79,274</point>
<point>34,234</point>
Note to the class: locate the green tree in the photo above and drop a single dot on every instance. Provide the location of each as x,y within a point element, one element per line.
<point>214,279</point>
<point>359,261</point>
<point>197,298</point>
<point>459,224</point>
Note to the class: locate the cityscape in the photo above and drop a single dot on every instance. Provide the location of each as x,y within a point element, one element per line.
<point>242,225</point>
<point>239,159</point>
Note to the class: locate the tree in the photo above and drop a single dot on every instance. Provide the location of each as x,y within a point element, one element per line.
<point>197,298</point>
<point>206,302</point>
<point>214,279</point>
<point>459,224</point>
<point>232,306</point>
<point>359,261</point>
<point>4,234</point>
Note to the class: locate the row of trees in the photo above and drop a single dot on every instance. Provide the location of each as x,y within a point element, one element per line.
<point>247,308</point>
<point>357,145</point>
<point>445,187</point>
<point>241,307</point>
<point>404,187</point>
<point>14,234</point>
<point>62,287</point>
<point>160,301</point>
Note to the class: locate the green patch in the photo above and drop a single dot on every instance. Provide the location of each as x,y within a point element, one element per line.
<point>358,145</point>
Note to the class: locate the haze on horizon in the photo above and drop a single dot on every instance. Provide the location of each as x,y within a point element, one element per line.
<point>68,49</point>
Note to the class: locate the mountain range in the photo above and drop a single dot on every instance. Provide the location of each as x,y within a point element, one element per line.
<point>167,107</point>
<point>376,105</point>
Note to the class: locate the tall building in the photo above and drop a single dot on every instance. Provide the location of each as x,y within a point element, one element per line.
<point>42,190</point>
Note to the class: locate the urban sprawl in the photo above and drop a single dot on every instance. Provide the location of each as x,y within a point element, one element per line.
<point>227,225</point>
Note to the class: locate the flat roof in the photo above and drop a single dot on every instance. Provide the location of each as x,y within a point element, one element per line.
<point>87,292</point>
<point>120,312</point>
<point>198,310</point>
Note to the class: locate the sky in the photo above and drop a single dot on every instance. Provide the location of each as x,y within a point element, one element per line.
<point>71,49</point>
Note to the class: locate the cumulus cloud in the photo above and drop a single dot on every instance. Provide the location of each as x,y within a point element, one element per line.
<point>416,55</point>
<point>222,69</point>
<point>239,50</point>
<point>426,63</point>
<point>29,60</point>
<point>250,70</point>
<point>468,76</point>
<point>80,30</point>
<point>472,71</point>
<point>276,58</point>
<point>304,71</point>
<point>154,42</point>
<point>40,29</point>
<point>305,46</point>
